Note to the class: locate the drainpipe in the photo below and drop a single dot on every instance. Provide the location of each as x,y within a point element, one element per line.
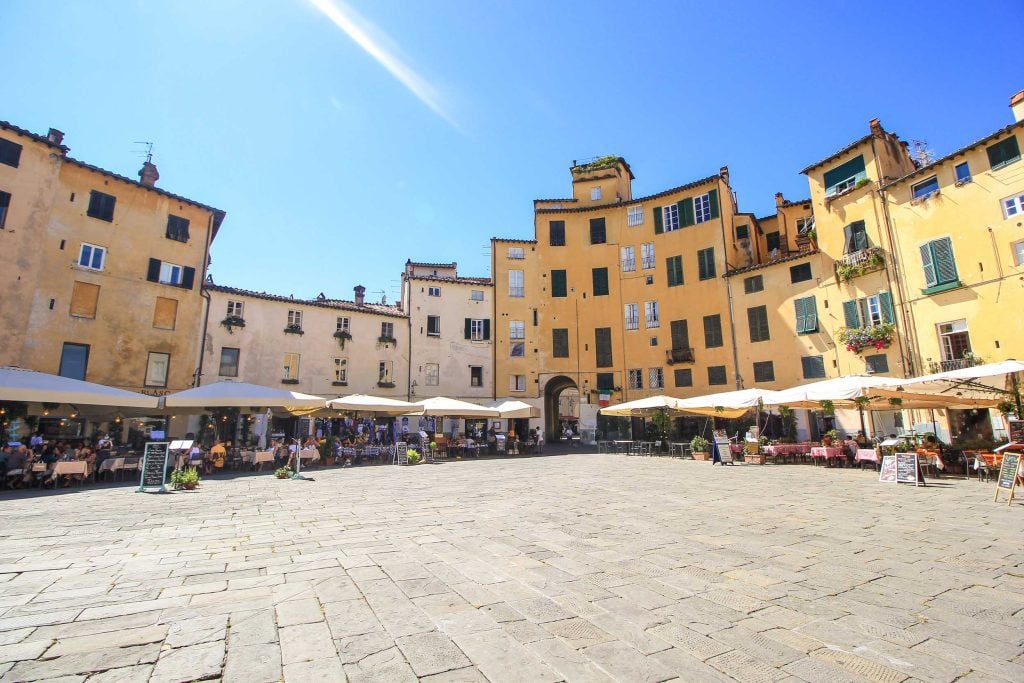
<point>728,289</point>
<point>197,378</point>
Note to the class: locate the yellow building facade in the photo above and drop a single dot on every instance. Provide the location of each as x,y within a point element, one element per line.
<point>106,270</point>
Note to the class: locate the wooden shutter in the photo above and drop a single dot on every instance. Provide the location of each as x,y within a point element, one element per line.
<point>153,274</point>
<point>840,173</point>
<point>929,265</point>
<point>1003,152</point>
<point>600,281</point>
<point>685,213</point>
<point>806,315</point>
<point>603,347</point>
<point>84,298</point>
<point>851,314</point>
<point>558,283</point>
<point>659,227</point>
<point>165,313</point>
<point>188,277</point>
<point>487,328</point>
<point>560,342</point>
<point>556,236</point>
<point>680,334</point>
<point>597,231</point>
<point>945,265</point>
<point>713,200</point>
<point>848,239</point>
<point>469,328</point>
<point>801,316</point>
<point>885,303</point>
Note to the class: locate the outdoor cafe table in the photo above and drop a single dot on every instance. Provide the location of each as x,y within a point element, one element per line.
<point>71,467</point>
<point>309,454</point>
<point>111,465</point>
<point>866,455</point>
<point>826,452</point>
<point>257,458</point>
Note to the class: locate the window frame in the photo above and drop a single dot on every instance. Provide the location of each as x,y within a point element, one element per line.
<point>177,228</point>
<point>670,217</point>
<point>962,179</point>
<point>559,342</point>
<point>434,321</point>
<point>10,153</point>
<point>101,206</point>
<point>595,193</point>
<point>682,377</point>
<point>235,309</point>
<point>517,349</point>
<point>516,383</point>
<point>294,319</point>
<point>924,189</point>
<point>291,369</point>
<point>631,322</point>
<point>476,329</point>
<point>706,269</point>
<point>938,282</point>
<point>156,381</point>
<point>516,253</point>
<point>635,378</point>
<point>764,371</point>
<point>237,360</point>
<point>652,315</point>
<point>710,332</point>
<point>92,253</point>
<point>432,374</point>
<point>64,368</point>
<point>476,295</point>
<point>343,323</point>
<point>753,284</point>
<point>387,330</point>
<point>433,291</point>
<point>5,206</point>
<point>799,270</point>
<point>635,215</point>
<point>1004,160</point>
<point>476,375</point>
<point>817,361</point>
<point>598,230</point>
<point>599,281</point>
<point>713,380</point>
<point>702,212</point>
<point>656,378</point>
<point>556,233</point>
<point>647,256</point>
<point>516,291</point>
<point>674,270</point>
<point>1012,206</point>
<point>1017,249</point>
<point>627,259</point>
<point>340,370</point>
<point>806,323</point>
<point>517,330</point>
<point>757,322</point>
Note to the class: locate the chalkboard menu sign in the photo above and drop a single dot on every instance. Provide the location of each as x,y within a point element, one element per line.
<point>1008,474</point>
<point>1016,430</point>
<point>906,468</point>
<point>154,466</point>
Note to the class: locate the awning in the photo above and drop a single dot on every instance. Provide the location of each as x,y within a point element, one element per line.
<point>228,394</point>
<point>17,384</point>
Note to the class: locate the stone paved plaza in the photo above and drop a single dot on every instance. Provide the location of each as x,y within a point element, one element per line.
<point>581,567</point>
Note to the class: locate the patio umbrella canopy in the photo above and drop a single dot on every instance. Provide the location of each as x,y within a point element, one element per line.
<point>654,404</point>
<point>733,400</point>
<point>510,408</point>
<point>879,390</point>
<point>982,382</point>
<point>377,405</point>
<point>227,394</point>
<point>440,406</point>
<point>17,384</point>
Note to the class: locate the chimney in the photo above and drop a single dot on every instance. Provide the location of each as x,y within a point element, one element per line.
<point>148,174</point>
<point>779,199</point>
<point>876,128</point>
<point>55,136</point>
<point>723,173</point>
<point>1017,105</point>
<point>360,294</point>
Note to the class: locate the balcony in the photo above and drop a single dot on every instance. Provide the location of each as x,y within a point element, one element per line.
<point>859,263</point>
<point>680,355</point>
<point>954,364</point>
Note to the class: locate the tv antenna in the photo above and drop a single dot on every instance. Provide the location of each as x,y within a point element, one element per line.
<point>149,149</point>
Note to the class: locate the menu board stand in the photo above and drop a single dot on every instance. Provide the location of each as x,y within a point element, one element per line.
<point>154,467</point>
<point>724,448</point>
<point>1007,475</point>
<point>900,468</point>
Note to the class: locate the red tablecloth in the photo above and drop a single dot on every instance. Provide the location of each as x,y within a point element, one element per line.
<point>827,452</point>
<point>788,449</point>
<point>867,454</point>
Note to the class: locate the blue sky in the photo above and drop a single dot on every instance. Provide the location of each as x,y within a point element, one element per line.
<point>344,138</point>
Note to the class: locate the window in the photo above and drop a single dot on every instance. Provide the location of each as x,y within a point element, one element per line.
<point>772,241</point>
<point>228,362</point>
<point>291,366</point>
<point>556,233</point>
<point>702,208</point>
<point>647,255</point>
<point>669,217</point>
<point>434,325</point>
<point>517,383</point>
<point>683,377</point>
<point>595,193</point>
<point>156,369</point>
<point>1018,253</point>
<point>101,206</point>
<point>295,320</point>
<point>340,370</point>
<point>845,176</point>
<point>855,237</point>
<point>635,215</point>
<point>706,263</point>
<point>628,259</point>
<point>680,336</point>
<point>925,188</point>
<point>597,231</point>
<point>433,291</point>
<point>1013,205</point>
<point>878,362</point>
<point>954,341</point>
<point>432,374</point>
<point>558,285</point>
<point>716,375</point>
<point>343,324</point>
<point>516,329</point>
<point>476,295</point>
<point>170,274</point>
<point>939,265</point>
<point>84,299</point>
<point>806,315</point>
<point>1004,152</point>
<point>165,313</point>
<point>963,173</point>
<point>635,378</point>
<point>868,311</point>
<point>649,279</point>
<point>654,341</point>
<point>515,253</point>
<point>10,153</point>
<point>800,273</point>
<point>600,281</point>
<point>803,225</point>
<point>235,309</point>
<point>477,329</point>
<point>515,283</point>
<point>632,316</point>
<point>177,228</point>
<point>753,284</point>
<point>712,331</point>
<point>656,378</point>
<point>757,319</point>
<point>560,342</point>
<point>813,366</point>
<point>74,360</point>
<point>603,347</point>
<point>5,203</point>
<point>476,376</point>
<point>742,232</point>
<point>651,315</point>
<point>385,372</point>
<point>387,330</point>
<point>674,268</point>
<point>91,256</point>
<point>517,350</point>
<point>764,371</point>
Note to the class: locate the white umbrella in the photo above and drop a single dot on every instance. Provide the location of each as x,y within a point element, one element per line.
<point>980,381</point>
<point>511,408</point>
<point>451,407</point>
<point>17,384</point>
<point>363,403</point>
<point>743,398</point>
<point>670,404</point>
<point>228,394</point>
<point>880,392</point>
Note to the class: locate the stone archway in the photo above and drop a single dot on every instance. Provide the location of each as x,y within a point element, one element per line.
<point>553,390</point>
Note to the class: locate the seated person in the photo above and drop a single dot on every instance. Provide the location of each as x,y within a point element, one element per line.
<point>17,461</point>
<point>218,454</point>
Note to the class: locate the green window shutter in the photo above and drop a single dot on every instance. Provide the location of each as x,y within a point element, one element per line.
<point>713,199</point>
<point>469,328</point>
<point>153,272</point>
<point>487,328</point>
<point>188,277</point>
<point>885,303</point>
<point>1003,152</point>
<point>600,281</point>
<point>558,283</point>
<point>851,168</point>
<point>929,266</point>
<point>851,314</point>
<point>848,239</point>
<point>945,265</point>
<point>811,313</point>
<point>659,227</point>
<point>685,213</point>
<point>674,268</point>
<point>801,317</point>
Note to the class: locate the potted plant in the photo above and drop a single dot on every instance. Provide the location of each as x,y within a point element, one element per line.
<point>414,457</point>
<point>701,448</point>
<point>233,321</point>
<point>187,479</point>
<point>283,472</point>
<point>342,336</point>
<point>294,328</point>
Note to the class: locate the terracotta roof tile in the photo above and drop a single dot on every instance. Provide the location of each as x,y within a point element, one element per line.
<point>336,304</point>
<point>635,200</point>
<point>782,259</point>
<point>840,153</point>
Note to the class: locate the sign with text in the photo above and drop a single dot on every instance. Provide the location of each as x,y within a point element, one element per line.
<point>154,467</point>
<point>1008,475</point>
<point>724,447</point>
<point>887,473</point>
<point>906,468</point>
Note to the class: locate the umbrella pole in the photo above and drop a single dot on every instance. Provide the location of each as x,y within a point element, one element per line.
<point>863,427</point>
<point>298,454</point>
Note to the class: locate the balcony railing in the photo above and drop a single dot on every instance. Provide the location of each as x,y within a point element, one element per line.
<point>859,257</point>
<point>954,364</point>
<point>860,262</point>
<point>680,355</point>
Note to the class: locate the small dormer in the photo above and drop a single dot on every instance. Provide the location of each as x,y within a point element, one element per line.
<point>604,180</point>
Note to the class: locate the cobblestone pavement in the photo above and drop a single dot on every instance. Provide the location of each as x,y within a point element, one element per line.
<point>577,567</point>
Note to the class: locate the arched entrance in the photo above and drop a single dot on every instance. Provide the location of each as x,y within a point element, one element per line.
<point>561,406</point>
